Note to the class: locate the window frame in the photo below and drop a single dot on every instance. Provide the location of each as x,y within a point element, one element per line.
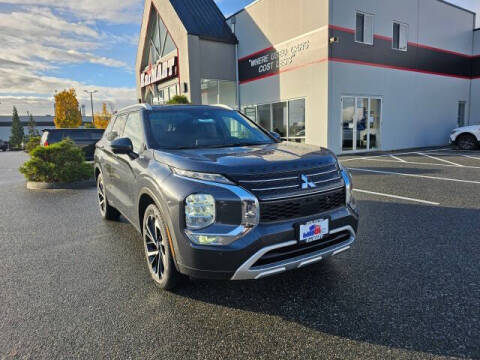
<point>400,24</point>
<point>364,14</point>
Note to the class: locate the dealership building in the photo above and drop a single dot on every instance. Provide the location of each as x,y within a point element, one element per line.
<point>349,75</point>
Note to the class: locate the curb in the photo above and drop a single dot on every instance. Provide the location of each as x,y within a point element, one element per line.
<point>32,185</point>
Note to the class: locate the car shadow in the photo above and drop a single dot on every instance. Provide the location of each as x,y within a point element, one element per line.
<point>408,283</point>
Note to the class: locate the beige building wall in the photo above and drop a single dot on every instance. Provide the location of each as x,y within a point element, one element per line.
<point>179,36</point>
<point>284,24</point>
<point>211,60</point>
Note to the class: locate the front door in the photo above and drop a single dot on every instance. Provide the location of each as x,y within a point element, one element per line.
<point>361,119</point>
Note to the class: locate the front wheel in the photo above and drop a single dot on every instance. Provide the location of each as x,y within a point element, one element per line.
<point>157,249</point>
<point>107,212</point>
<point>467,142</point>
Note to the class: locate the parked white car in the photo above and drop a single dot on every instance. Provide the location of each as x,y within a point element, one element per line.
<point>466,138</point>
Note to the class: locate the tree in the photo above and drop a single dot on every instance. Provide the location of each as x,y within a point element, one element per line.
<point>17,136</point>
<point>178,99</point>
<point>32,127</point>
<point>67,112</point>
<point>101,120</point>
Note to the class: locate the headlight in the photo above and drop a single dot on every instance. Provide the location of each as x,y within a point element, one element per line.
<point>347,178</point>
<point>199,211</point>
<point>201,176</point>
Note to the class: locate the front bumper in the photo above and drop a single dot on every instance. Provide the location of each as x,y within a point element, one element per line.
<point>242,259</point>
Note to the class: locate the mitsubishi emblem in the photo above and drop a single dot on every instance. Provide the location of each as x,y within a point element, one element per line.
<point>307,184</point>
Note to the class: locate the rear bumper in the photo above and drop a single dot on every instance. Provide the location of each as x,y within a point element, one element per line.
<point>245,258</point>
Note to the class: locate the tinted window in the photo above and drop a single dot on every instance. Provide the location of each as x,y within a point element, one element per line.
<point>200,128</point>
<point>133,130</point>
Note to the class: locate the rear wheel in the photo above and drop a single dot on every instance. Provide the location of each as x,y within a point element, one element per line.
<point>157,249</point>
<point>467,142</point>
<point>107,212</point>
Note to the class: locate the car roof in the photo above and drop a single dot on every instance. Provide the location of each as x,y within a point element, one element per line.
<point>72,129</point>
<point>188,107</point>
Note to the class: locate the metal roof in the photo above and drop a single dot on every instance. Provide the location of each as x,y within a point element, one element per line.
<point>204,19</point>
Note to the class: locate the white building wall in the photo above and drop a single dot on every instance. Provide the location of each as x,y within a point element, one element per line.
<point>281,24</point>
<point>418,109</point>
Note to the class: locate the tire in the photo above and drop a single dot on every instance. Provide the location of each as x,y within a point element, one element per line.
<point>157,250</point>
<point>107,212</point>
<point>467,142</point>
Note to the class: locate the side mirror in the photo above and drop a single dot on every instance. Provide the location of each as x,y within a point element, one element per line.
<point>122,146</point>
<point>276,135</point>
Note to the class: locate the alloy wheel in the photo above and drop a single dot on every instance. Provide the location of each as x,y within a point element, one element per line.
<point>102,201</point>
<point>467,143</point>
<point>155,247</point>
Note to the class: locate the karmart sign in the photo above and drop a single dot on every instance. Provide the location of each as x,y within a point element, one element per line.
<point>162,71</point>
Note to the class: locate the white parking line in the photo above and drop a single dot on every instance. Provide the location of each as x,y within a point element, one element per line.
<point>396,197</point>
<point>439,159</point>
<point>472,157</point>
<point>420,163</point>
<point>392,155</point>
<point>415,175</point>
<point>397,158</point>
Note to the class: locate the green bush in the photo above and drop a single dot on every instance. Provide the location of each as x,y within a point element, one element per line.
<point>32,143</point>
<point>60,162</point>
<point>178,99</point>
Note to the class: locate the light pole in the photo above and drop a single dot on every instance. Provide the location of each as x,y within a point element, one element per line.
<point>91,98</point>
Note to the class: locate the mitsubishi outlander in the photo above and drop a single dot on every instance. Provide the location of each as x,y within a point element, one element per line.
<point>216,196</point>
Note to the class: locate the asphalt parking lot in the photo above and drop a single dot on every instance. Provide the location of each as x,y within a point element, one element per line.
<point>73,286</point>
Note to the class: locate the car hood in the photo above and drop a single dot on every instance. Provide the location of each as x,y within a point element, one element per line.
<point>248,159</point>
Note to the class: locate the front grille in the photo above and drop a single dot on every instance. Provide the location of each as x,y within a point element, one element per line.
<point>293,251</point>
<point>292,208</point>
<point>268,186</point>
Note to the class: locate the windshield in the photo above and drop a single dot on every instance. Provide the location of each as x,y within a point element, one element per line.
<point>188,128</point>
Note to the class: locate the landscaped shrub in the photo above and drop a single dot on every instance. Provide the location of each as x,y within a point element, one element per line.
<point>60,162</point>
<point>32,143</point>
<point>178,100</point>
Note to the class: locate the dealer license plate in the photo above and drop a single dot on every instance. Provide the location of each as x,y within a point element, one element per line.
<point>313,230</point>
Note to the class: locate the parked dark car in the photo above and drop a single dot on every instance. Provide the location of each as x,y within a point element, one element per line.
<point>216,196</point>
<point>3,145</point>
<point>83,138</point>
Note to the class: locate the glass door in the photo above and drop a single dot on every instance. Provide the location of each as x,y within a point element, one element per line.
<point>361,119</point>
<point>374,123</point>
<point>348,123</point>
<point>361,115</point>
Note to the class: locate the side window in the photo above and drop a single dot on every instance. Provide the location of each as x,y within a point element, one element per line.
<point>364,28</point>
<point>400,36</point>
<point>133,130</point>
<point>118,126</point>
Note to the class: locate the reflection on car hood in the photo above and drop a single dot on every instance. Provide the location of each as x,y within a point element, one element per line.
<point>248,159</point>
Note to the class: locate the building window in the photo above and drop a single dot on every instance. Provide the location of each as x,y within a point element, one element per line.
<point>364,28</point>
<point>287,118</point>
<point>400,36</point>
<point>219,92</point>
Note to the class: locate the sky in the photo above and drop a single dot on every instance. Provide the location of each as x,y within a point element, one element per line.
<point>51,45</point>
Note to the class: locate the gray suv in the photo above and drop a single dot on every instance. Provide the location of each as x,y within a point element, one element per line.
<point>216,196</point>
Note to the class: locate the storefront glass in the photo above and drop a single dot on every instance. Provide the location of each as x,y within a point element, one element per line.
<point>219,92</point>
<point>286,118</point>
